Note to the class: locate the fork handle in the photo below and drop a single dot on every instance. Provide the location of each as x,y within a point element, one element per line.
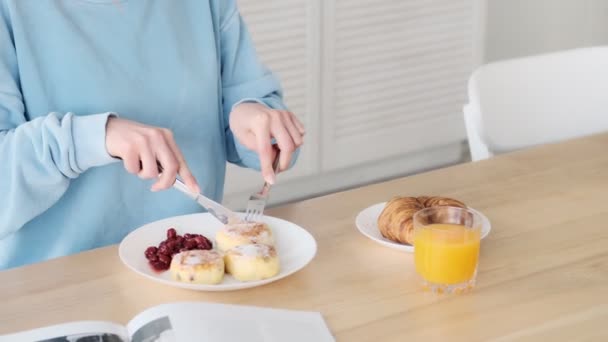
<point>275,168</point>
<point>275,163</point>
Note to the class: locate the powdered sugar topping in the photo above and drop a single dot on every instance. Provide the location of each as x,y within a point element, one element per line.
<point>254,250</point>
<point>197,257</point>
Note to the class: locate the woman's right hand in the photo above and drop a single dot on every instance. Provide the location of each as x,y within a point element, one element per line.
<point>141,146</point>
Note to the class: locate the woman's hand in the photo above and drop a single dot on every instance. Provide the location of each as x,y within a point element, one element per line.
<point>141,146</point>
<point>254,125</point>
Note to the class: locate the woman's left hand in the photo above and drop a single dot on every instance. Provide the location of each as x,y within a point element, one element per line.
<point>254,125</point>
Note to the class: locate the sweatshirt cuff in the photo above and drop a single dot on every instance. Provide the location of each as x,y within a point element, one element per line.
<point>250,100</point>
<point>89,134</point>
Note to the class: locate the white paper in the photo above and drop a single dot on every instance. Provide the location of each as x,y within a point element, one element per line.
<point>71,332</point>
<point>192,321</point>
<point>226,323</point>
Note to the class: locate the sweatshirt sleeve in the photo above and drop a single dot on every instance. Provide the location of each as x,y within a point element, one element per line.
<point>244,79</point>
<point>38,157</point>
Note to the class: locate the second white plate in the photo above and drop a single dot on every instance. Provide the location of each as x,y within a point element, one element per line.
<point>367,223</point>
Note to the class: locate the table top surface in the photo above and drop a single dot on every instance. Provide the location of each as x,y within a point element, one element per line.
<point>543,269</point>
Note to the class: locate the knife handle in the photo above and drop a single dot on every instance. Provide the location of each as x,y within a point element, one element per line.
<point>179,185</point>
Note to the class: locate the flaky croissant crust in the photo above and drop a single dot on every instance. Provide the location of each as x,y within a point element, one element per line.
<point>395,221</point>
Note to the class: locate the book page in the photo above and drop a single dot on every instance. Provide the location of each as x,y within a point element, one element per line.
<point>209,322</point>
<point>72,332</point>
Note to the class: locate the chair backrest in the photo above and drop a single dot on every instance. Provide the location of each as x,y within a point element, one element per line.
<point>530,101</point>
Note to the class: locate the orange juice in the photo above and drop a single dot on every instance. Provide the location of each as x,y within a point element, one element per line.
<point>446,253</point>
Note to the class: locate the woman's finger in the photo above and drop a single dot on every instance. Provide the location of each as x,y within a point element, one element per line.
<point>293,130</point>
<point>298,123</point>
<point>261,130</point>
<point>148,159</point>
<point>169,164</point>
<point>182,167</point>
<point>130,159</point>
<point>286,144</point>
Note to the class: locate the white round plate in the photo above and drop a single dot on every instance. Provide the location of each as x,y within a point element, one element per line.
<point>295,248</point>
<point>367,223</point>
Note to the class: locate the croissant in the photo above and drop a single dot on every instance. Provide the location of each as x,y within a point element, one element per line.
<point>395,221</point>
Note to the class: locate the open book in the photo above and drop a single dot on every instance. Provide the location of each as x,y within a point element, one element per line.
<point>191,321</point>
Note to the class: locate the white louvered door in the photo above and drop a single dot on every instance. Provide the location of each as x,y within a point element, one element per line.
<point>379,85</point>
<point>286,35</point>
<point>394,77</point>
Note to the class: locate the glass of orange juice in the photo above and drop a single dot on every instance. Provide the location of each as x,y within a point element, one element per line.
<point>446,248</point>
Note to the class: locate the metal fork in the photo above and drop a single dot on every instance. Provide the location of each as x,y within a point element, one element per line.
<point>257,200</point>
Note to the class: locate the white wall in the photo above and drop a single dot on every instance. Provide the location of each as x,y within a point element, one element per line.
<point>517,28</point>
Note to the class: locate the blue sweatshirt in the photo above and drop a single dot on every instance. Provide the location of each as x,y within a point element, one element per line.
<point>65,65</point>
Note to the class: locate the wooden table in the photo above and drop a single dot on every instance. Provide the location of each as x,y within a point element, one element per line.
<point>543,269</point>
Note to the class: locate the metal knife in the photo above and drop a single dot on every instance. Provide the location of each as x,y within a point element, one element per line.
<point>220,212</point>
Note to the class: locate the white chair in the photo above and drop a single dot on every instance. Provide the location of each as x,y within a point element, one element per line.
<point>519,103</point>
